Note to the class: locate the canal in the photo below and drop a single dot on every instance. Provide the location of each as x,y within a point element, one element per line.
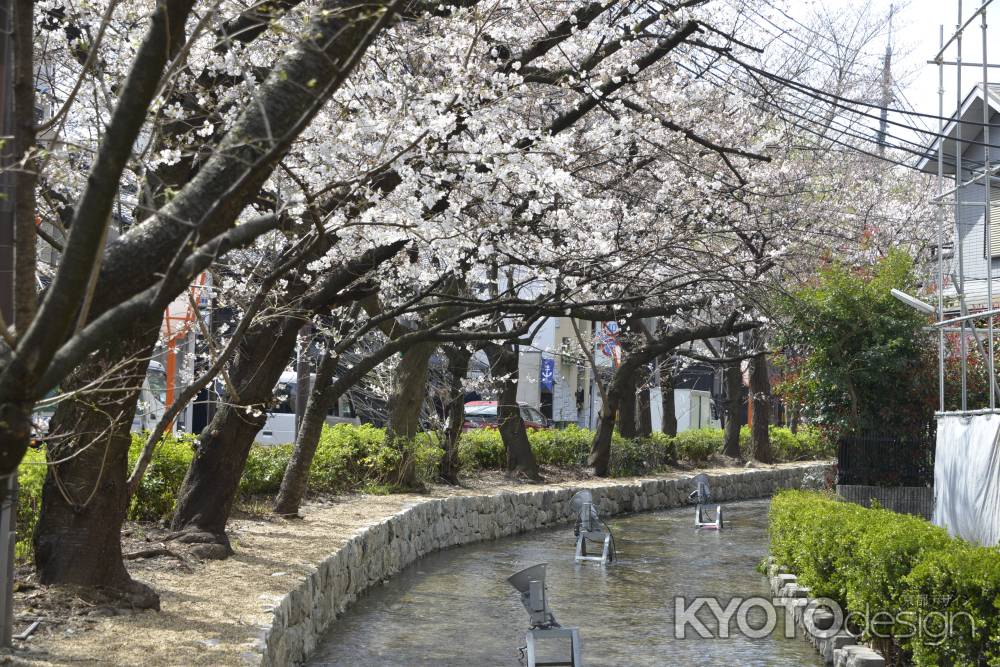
<point>455,607</point>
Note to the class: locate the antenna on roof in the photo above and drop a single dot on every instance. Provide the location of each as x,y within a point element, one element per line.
<point>589,527</point>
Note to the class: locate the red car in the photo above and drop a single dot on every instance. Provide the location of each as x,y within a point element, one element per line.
<point>483,414</point>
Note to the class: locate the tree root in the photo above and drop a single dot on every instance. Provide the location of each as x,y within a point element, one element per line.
<point>208,545</point>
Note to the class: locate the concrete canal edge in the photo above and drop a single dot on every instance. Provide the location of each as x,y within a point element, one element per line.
<point>378,552</point>
<point>837,647</point>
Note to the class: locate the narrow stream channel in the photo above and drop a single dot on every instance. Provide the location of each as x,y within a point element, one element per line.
<point>455,607</point>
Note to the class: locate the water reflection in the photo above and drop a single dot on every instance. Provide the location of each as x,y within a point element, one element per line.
<point>455,608</point>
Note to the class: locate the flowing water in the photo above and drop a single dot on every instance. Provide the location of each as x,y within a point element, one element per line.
<point>455,607</point>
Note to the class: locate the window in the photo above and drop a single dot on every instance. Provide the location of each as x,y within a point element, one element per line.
<point>994,224</point>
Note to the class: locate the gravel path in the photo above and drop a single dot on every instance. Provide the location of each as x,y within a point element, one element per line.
<point>213,612</point>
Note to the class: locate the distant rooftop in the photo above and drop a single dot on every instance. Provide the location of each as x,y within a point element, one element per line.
<point>965,125</point>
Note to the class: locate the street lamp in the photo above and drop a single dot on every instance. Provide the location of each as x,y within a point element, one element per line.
<point>914,302</point>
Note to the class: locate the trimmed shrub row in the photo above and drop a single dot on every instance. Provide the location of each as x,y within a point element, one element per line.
<point>698,445</point>
<point>482,449</point>
<point>874,560</point>
<point>351,458</point>
<point>348,458</point>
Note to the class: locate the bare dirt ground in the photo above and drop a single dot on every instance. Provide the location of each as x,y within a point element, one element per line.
<point>214,612</point>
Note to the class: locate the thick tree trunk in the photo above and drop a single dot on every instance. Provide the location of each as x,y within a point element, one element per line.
<point>627,425</point>
<point>760,394</point>
<point>733,381</point>
<point>296,478</point>
<point>15,433</point>
<point>621,385</point>
<point>212,481</point>
<point>458,368</point>
<point>520,459</point>
<point>667,399</point>
<point>406,404</point>
<point>600,449</point>
<point>85,498</point>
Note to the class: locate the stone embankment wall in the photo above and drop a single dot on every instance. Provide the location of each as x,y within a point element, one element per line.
<point>380,551</point>
<point>837,647</point>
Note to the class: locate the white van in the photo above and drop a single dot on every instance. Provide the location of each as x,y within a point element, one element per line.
<point>148,411</point>
<point>279,429</point>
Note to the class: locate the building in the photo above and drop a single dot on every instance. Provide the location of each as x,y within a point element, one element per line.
<point>970,260</point>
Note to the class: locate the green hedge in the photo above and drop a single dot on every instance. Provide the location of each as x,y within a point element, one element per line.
<point>873,560</point>
<point>482,449</point>
<point>698,445</point>
<point>805,445</point>
<point>348,458</point>
<point>30,475</point>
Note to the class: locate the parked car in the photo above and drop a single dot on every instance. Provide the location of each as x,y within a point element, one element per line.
<point>483,414</point>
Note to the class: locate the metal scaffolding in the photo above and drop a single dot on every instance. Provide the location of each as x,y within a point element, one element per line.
<point>958,271</point>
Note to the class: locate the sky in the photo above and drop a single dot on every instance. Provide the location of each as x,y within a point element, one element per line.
<point>916,37</point>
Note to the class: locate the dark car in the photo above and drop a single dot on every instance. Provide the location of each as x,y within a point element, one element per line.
<point>483,414</point>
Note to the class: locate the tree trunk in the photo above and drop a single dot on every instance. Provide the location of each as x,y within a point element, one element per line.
<point>645,414</point>
<point>760,394</point>
<point>600,449</point>
<point>621,385</point>
<point>733,380</point>
<point>85,498</point>
<point>458,367</point>
<point>212,481</point>
<point>627,426</point>
<point>303,373</point>
<point>15,433</point>
<point>520,459</point>
<point>667,398</point>
<point>406,404</point>
<point>295,481</point>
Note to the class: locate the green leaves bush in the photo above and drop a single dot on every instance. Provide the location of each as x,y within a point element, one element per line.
<point>962,583</point>
<point>873,560</point>
<point>482,449</point>
<point>698,445</point>
<point>157,492</point>
<point>807,444</point>
<point>348,458</point>
<point>30,476</point>
<point>569,446</point>
<point>638,457</point>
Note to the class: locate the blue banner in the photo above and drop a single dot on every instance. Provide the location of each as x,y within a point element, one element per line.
<point>548,377</point>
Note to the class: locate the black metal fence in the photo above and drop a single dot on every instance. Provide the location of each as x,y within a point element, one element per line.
<point>878,459</point>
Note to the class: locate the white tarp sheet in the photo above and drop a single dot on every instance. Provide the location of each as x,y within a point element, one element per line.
<point>967,477</point>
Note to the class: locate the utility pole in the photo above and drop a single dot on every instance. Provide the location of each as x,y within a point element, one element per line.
<point>886,88</point>
<point>8,485</point>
